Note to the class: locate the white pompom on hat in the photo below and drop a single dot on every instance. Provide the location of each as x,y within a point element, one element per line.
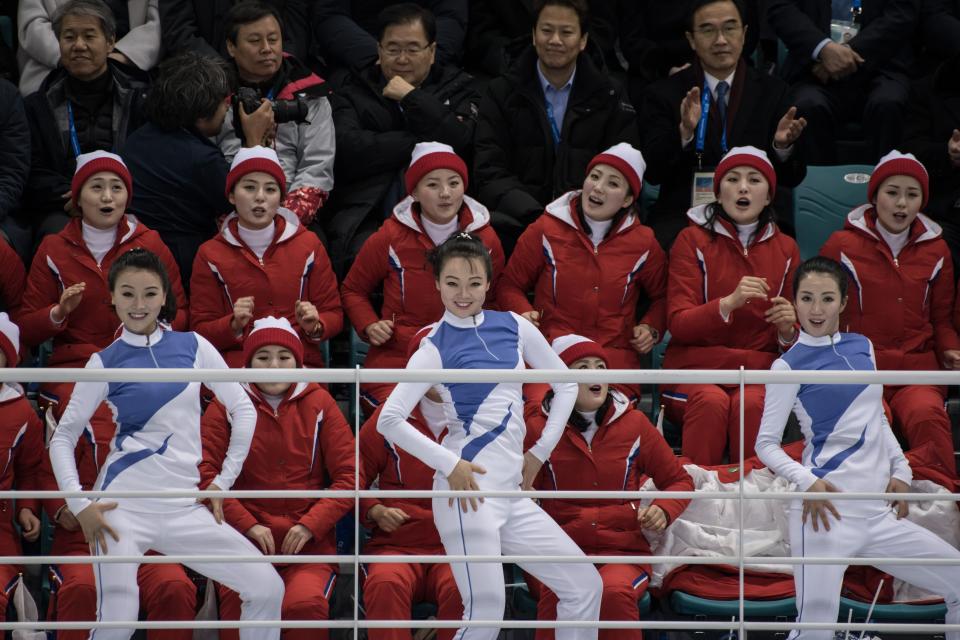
<point>251,159</point>
<point>899,164</point>
<point>95,162</point>
<point>572,347</point>
<point>272,331</point>
<point>429,156</point>
<point>9,340</point>
<point>746,157</point>
<point>625,159</point>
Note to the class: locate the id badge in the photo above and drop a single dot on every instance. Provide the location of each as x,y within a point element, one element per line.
<point>701,192</point>
<point>843,31</point>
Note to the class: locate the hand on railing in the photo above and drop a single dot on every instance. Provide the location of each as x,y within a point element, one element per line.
<point>94,524</point>
<point>819,508</point>
<point>461,479</point>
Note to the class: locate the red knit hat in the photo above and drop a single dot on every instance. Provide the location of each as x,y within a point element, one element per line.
<point>95,162</point>
<point>745,157</point>
<point>250,159</point>
<point>628,161</point>
<point>9,340</point>
<point>899,164</point>
<point>572,347</point>
<point>272,331</point>
<point>428,156</point>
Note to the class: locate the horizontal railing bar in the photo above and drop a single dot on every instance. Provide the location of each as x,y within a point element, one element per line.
<point>444,559</point>
<point>504,624</point>
<point>489,493</point>
<point>633,376</point>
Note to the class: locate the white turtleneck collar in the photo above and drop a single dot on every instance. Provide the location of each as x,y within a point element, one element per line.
<point>744,231</point>
<point>439,232</point>
<point>98,241</point>
<point>896,241</point>
<point>142,340</point>
<point>257,239</point>
<point>818,341</point>
<point>591,417</point>
<point>463,323</point>
<point>598,229</point>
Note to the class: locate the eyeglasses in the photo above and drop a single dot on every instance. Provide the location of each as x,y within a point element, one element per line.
<point>394,51</point>
<point>710,32</point>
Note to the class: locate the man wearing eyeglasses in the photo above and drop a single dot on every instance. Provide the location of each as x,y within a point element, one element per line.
<point>690,119</point>
<point>849,61</point>
<point>381,112</point>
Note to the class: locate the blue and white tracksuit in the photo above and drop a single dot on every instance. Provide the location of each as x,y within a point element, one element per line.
<point>849,444</point>
<point>157,446</point>
<point>485,422</point>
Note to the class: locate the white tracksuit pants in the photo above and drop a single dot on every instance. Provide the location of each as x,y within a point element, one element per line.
<point>879,535</point>
<point>514,526</point>
<point>189,531</point>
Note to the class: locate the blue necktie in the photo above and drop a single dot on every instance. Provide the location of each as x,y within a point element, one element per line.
<point>722,89</point>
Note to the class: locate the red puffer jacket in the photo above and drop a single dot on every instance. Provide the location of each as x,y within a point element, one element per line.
<point>903,304</point>
<point>305,444</point>
<point>64,260</point>
<point>294,267</point>
<point>706,266</point>
<point>395,469</point>
<point>395,257</point>
<point>587,290</point>
<point>623,453</point>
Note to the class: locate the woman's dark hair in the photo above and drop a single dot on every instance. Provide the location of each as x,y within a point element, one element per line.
<point>715,210</point>
<point>190,87</point>
<point>140,259</point>
<point>576,420</point>
<point>407,13</point>
<point>243,13</point>
<point>460,245</point>
<point>826,266</point>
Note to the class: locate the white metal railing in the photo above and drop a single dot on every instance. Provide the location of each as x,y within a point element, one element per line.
<point>358,376</point>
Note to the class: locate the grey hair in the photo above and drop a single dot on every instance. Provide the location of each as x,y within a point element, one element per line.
<point>190,87</point>
<point>89,8</point>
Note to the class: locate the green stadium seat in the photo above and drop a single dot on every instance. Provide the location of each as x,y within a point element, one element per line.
<point>687,604</point>
<point>6,32</point>
<point>823,200</point>
<point>893,612</point>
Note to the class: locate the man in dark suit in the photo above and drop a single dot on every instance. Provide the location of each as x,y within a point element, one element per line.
<point>864,79</point>
<point>755,106</point>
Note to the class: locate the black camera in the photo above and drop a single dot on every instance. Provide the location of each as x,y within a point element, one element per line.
<point>283,110</point>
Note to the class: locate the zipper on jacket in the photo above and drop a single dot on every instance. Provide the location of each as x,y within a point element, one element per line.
<point>153,357</point>
<point>480,338</point>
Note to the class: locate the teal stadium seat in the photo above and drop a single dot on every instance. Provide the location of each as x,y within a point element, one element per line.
<point>688,604</point>
<point>823,200</point>
<point>923,613</point>
<point>6,31</point>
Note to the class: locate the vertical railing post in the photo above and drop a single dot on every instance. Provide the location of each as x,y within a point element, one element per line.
<point>741,503</point>
<point>356,503</point>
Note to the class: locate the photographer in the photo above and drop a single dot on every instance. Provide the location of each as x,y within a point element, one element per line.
<point>179,174</point>
<point>303,137</point>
